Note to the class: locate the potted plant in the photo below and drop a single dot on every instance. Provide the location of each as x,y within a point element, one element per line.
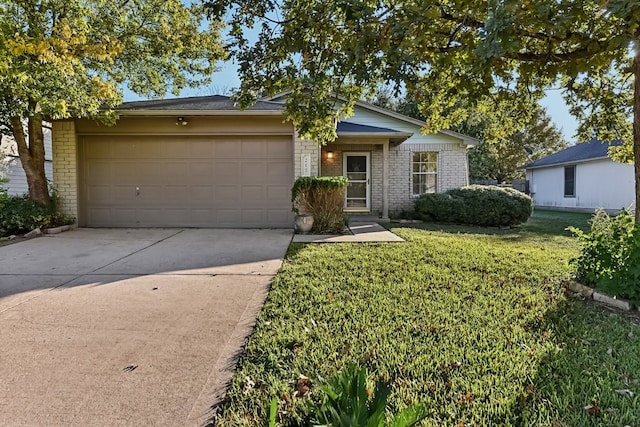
<point>318,203</point>
<point>300,199</point>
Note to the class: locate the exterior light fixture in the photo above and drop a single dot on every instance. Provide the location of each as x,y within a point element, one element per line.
<point>182,121</point>
<point>329,154</point>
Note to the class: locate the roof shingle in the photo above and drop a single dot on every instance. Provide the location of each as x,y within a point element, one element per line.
<point>584,151</point>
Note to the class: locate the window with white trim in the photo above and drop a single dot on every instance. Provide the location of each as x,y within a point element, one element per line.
<point>424,172</point>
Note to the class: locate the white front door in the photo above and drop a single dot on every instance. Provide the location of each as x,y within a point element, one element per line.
<point>357,170</point>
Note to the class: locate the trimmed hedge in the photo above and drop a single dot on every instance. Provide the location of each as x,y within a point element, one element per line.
<point>484,205</point>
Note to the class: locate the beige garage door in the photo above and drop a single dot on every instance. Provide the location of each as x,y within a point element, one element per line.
<point>189,181</point>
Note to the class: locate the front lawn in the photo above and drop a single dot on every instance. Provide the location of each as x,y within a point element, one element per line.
<point>472,322</point>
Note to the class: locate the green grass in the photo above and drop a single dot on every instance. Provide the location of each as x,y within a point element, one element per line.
<point>473,322</point>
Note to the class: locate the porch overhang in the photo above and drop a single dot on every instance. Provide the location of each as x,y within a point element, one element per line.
<point>358,131</point>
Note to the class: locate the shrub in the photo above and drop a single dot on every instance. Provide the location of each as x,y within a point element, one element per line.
<point>20,214</point>
<point>483,205</point>
<point>610,255</point>
<point>323,197</point>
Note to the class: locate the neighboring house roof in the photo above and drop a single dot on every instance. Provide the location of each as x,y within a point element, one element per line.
<point>467,140</point>
<point>583,152</point>
<point>349,129</point>
<point>200,105</point>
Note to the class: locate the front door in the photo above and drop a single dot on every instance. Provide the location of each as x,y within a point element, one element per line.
<point>356,169</point>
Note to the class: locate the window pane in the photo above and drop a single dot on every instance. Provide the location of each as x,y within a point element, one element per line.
<point>356,164</point>
<point>357,189</point>
<point>356,203</point>
<point>570,181</point>
<point>430,184</point>
<point>416,156</point>
<point>357,176</point>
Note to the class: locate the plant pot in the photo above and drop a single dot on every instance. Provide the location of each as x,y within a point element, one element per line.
<point>303,223</point>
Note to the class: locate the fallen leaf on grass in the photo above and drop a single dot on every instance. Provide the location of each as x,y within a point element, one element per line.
<point>625,392</point>
<point>593,410</point>
<point>302,386</point>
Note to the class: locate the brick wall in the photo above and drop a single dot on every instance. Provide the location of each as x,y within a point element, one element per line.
<point>301,147</point>
<point>64,147</point>
<point>452,170</point>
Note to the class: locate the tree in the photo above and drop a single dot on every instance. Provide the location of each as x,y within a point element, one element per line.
<point>503,149</point>
<point>499,159</point>
<point>442,51</point>
<point>69,58</point>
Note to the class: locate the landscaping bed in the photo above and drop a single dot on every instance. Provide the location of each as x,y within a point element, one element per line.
<point>473,322</point>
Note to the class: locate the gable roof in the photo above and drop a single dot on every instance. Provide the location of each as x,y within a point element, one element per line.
<point>197,105</point>
<point>583,152</point>
<point>466,139</point>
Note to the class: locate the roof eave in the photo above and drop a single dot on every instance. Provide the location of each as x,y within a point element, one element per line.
<point>161,113</point>
<point>466,140</point>
<point>572,162</point>
<point>395,137</point>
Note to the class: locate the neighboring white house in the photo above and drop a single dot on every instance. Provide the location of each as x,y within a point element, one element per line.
<point>581,177</point>
<point>14,173</point>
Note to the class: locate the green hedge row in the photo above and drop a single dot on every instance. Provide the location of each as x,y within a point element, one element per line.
<point>483,205</point>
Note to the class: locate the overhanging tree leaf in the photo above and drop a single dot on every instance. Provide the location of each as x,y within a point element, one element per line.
<point>439,52</point>
<point>64,58</point>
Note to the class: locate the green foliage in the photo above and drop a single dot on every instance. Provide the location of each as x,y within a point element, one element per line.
<point>323,197</point>
<point>19,214</point>
<point>441,52</point>
<point>499,157</point>
<point>71,58</point>
<point>476,205</point>
<point>347,402</point>
<point>610,255</point>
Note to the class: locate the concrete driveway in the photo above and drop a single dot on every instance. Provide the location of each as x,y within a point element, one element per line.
<point>128,327</point>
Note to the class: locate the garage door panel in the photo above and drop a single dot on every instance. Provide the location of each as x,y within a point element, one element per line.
<point>227,217</point>
<point>203,149</point>
<point>202,193</point>
<point>227,148</point>
<point>253,216</point>
<point>253,172</point>
<point>252,193</point>
<point>200,171</point>
<point>254,149</point>
<point>277,171</point>
<point>226,193</point>
<point>175,170</point>
<point>278,192</point>
<point>226,171</point>
<point>178,194</point>
<point>222,181</point>
<point>279,149</point>
<point>124,172</point>
<point>100,194</point>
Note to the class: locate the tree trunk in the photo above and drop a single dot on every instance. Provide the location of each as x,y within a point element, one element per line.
<point>636,128</point>
<point>32,156</point>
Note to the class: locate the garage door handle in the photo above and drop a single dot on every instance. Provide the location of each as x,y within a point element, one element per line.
<point>137,191</point>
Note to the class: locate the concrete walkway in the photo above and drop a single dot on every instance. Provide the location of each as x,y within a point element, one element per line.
<point>362,232</point>
<point>128,327</point>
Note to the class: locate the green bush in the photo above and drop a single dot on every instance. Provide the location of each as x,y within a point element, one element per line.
<point>483,205</point>
<point>610,255</point>
<point>20,214</point>
<point>323,197</point>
